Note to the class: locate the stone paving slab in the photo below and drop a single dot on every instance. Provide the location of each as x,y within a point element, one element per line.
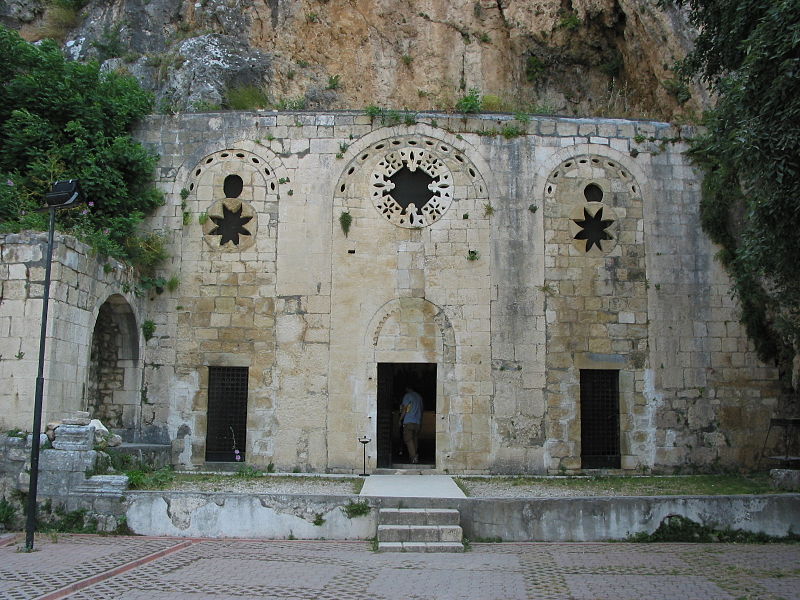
<point>411,486</point>
<point>140,568</point>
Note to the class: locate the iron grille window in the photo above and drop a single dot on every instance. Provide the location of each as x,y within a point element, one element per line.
<point>227,414</point>
<point>600,419</point>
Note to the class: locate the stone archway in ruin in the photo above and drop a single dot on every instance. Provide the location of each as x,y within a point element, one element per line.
<point>114,373</point>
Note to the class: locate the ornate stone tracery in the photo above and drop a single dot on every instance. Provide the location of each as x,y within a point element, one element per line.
<point>393,173</point>
<point>392,199</point>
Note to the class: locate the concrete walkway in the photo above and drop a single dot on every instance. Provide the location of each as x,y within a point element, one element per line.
<point>411,486</point>
<point>91,567</point>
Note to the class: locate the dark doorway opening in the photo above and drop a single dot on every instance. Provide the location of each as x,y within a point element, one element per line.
<point>600,419</point>
<point>226,430</point>
<point>393,378</point>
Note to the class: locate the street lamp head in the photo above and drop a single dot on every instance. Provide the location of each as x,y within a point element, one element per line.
<point>64,193</point>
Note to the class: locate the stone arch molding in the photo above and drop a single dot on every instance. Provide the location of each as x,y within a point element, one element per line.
<point>449,175</point>
<point>547,167</point>
<point>232,220</point>
<point>594,194</point>
<point>431,315</point>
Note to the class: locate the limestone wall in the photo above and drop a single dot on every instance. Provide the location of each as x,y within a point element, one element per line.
<point>488,281</point>
<point>81,284</point>
<point>518,264</point>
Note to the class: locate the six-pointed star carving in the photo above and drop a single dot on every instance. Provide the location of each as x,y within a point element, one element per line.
<point>230,225</point>
<point>593,228</point>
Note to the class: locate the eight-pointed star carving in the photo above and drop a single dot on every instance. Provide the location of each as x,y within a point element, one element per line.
<point>593,228</point>
<point>230,225</point>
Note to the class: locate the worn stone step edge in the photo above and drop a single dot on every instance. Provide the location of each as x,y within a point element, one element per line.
<point>419,533</point>
<point>420,547</point>
<point>419,516</point>
<point>115,484</point>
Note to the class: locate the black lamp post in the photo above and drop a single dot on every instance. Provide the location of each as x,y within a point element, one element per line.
<point>63,194</point>
<point>364,441</point>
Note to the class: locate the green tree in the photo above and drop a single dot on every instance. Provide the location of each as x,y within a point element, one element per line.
<point>68,120</point>
<point>748,53</point>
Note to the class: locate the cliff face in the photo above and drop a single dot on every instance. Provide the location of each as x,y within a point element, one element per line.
<point>609,57</point>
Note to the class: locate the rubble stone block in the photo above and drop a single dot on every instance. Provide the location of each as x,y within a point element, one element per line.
<point>74,437</point>
<point>785,479</point>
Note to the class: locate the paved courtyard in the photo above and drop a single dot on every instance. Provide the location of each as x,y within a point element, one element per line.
<point>133,568</point>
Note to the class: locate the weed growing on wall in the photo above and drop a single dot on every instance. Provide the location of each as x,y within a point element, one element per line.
<point>345,220</point>
<point>148,329</point>
<point>676,528</point>
<point>356,509</point>
<point>492,103</point>
<point>58,520</point>
<point>334,82</point>
<point>569,21</point>
<point>471,103</point>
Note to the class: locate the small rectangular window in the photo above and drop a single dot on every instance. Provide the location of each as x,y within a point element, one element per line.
<point>600,419</point>
<point>226,430</point>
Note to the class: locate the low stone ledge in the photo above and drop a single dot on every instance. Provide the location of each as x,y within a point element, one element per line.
<point>219,515</point>
<point>280,516</point>
<point>104,484</point>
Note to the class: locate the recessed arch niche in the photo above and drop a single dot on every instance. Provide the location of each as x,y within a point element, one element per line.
<point>114,374</point>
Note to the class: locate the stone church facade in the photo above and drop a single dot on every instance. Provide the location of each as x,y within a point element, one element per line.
<point>548,292</point>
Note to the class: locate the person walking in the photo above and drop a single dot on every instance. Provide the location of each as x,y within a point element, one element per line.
<point>411,421</point>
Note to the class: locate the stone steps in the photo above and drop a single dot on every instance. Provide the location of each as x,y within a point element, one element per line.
<point>419,530</point>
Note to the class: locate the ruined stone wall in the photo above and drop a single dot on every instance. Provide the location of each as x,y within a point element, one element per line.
<point>81,284</point>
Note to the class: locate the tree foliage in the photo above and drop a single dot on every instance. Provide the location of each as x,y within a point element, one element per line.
<point>748,52</point>
<point>67,120</point>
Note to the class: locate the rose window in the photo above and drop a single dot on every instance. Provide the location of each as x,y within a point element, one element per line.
<point>412,188</point>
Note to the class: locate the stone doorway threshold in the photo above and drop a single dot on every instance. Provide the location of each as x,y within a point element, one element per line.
<point>407,469</point>
<point>411,486</point>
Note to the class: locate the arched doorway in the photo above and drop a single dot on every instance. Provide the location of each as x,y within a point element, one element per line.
<point>113,394</point>
<point>413,346</point>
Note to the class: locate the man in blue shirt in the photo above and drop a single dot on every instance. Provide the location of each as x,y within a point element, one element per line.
<point>411,420</point>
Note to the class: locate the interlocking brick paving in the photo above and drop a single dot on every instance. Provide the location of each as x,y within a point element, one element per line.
<point>320,570</point>
<point>431,584</point>
<point>59,561</point>
<point>636,587</point>
<point>762,558</point>
<point>785,587</point>
<point>615,559</point>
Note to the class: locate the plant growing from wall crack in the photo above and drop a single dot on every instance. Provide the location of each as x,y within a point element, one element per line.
<point>148,329</point>
<point>345,220</point>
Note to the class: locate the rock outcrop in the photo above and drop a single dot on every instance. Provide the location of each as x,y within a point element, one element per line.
<point>609,57</point>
